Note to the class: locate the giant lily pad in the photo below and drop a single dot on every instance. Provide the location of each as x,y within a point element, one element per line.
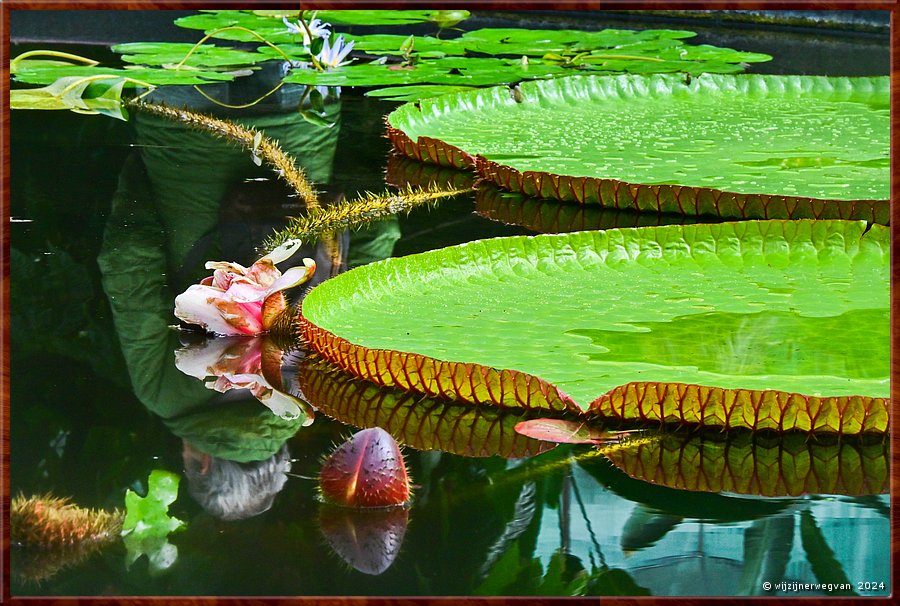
<point>746,146</point>
<point>775,325</point>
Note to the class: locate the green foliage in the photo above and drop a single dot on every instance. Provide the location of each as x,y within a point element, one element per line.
<point>171,53</point>
<point>85,95</point>
<point>761,294</point>
<point>148,524</point>
<point>714,133</point>
<point>44,72</point>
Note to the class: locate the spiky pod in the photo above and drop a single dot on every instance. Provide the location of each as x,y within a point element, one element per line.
<point>365,471</point>
<point>260,145</point>
<point>366,209</point>
<point>48,521</point>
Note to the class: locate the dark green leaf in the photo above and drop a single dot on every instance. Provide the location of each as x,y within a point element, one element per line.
<point>820,556</point>
<point>172,53</point>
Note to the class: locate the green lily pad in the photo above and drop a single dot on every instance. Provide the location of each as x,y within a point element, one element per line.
<point>769,325</point>
<point>747,146</point>
<point>415,91</point>
<point>172,53</point>
<point>33,73</point>
<point>456,71</point>
<point>270,26</point>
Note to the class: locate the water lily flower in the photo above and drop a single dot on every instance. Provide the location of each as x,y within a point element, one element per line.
<point>237,300</point>
<point>240,363</point>
<point>333,56</point>
<point>317,28</point>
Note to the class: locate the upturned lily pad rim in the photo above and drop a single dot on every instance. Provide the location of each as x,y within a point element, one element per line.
<point>616,193</point>
<point>642,401</point>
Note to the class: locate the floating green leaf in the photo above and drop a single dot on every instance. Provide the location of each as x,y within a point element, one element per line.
<point>456,71</point>
<point>269,24</point>
<point>792,466</point>
<point>768,325</point>
<point>745,146</point>
<point>172,53</point>
<point>148,523</point>
<point>413,92</point>
<point>41,73</point>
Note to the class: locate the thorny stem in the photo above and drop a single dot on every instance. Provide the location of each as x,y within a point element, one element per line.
<point>367,208</point>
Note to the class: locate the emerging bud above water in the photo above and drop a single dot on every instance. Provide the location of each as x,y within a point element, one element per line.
<point>365,471</point>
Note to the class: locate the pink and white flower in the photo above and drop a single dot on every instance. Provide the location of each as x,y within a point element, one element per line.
<point>237,300</point>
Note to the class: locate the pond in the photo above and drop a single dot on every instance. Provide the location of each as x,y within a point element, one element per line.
<point>110,220</point>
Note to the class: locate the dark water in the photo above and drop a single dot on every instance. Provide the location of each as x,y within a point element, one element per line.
<point>111,220</point>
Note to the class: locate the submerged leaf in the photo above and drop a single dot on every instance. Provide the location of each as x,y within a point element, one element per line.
<point>777,325</point>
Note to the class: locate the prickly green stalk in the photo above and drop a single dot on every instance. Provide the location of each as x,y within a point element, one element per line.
<point>366,209</point>
<point>260,146</point>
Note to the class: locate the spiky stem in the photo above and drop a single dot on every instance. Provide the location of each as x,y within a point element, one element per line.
<point>267,149</point>
<point>366,209</point>
<point>48,521</point>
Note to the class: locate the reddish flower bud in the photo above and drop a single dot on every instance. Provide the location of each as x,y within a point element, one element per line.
<point>366,471</point>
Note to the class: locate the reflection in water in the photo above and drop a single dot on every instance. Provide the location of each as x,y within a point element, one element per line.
<point>231,490</point>
<point>790,466</point>
<point>551,216</point>
<point>421,422</point>
<point>252,363</point>
<point>369,541</point>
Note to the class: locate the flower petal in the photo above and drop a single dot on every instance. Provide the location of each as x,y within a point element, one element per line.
<point>198,305</point>
<point>294,276</point>
<point>285,406</point>
<point>283,252</point>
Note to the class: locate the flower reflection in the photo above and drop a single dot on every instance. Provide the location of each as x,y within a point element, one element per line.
<point>241,363</point>
<point>237,300</point>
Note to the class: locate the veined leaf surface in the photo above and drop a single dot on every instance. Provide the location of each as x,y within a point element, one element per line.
<point>746,146</point>
<point>762,324</point>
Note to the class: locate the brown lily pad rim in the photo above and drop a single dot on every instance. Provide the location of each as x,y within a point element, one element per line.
<point>646,402</point>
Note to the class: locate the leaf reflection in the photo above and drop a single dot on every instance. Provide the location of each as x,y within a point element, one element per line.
<point>420,422</point>
<point>788,467</point>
